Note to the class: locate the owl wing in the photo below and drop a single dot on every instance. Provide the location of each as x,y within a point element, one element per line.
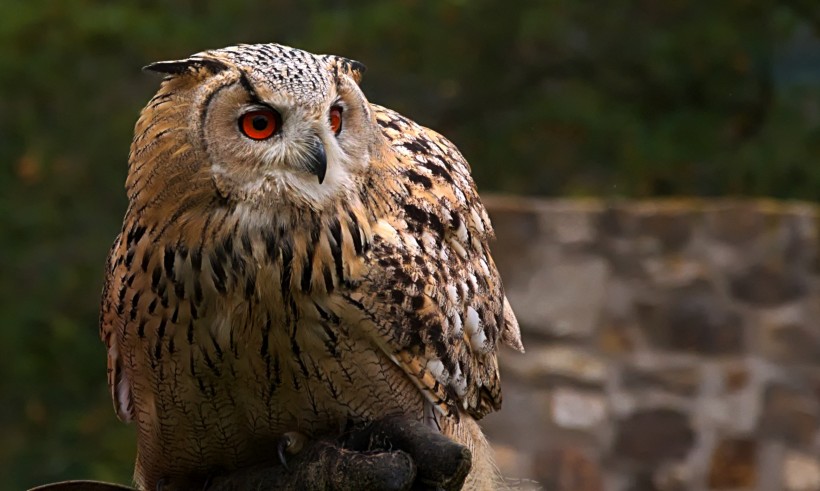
<point>431,292</point>
<point>111,322</point>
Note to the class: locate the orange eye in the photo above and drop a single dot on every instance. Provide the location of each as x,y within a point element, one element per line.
<point>336,119</point>
<point>260,124</point>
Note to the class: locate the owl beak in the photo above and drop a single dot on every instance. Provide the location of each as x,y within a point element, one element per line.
<point>317,160</point>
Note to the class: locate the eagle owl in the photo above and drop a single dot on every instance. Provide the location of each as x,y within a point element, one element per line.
<point>294,258</point>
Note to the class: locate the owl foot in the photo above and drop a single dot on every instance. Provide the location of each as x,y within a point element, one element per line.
<point>440,462</point>
<point>392,454</point>
<point>324,464</point>
<point>291,443</point>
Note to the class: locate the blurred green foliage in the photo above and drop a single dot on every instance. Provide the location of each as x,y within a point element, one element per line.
<point>626,97</point>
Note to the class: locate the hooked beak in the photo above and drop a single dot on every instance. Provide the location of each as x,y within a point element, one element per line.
<point>317,160</point>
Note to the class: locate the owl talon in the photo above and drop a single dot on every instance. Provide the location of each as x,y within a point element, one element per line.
<point>291,443</point>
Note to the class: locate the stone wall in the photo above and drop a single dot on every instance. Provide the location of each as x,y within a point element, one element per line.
<point>671,345</point>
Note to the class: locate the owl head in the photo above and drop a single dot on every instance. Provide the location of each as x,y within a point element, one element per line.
<point>263,125</point>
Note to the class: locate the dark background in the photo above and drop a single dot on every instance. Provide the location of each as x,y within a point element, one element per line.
<point>544,97</point>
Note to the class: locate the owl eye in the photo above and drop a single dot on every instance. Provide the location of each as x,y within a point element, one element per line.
<point>260,124</point>
<point>336,119</point>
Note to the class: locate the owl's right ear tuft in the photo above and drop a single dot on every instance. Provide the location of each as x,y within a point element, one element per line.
<point>176,67</point>
<point>354,69</point>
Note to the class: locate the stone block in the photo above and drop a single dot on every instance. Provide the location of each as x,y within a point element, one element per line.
<point>512,462</point>
<point>524,423</point>
<point>666,478</point>
<point>736,378</point>
<point>787,335</point>
<point>673,230</point>
<point>627,257</point>
<point>569,363</point>
<point>801,472</point>
<point>616,338</point>
<point>578,410</point>
<point>736,223</point>
<point>567,469</point>
<point>769,284</point>
<point>734,464</point>
<point>570,226</point>
<point>789,415</point>
<point>518,236</point>
<point>693,319</point>
<point>673,476</point>
<point>561,299</point>
<point>735,414</point>
<point>618,221</point>
<point>674,271</point>
<point>643,481</point>
<point>650,437</point>
<point>682,380</point>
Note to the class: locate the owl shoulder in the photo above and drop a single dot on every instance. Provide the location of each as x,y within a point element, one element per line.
<point>428,179</point>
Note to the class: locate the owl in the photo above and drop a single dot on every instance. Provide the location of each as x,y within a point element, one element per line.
<point>294,258</point>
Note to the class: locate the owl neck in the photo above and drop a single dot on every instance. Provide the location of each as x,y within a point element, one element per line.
<point>228,246</point>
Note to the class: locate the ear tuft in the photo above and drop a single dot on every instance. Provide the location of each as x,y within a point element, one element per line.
<point>358,69</point>
<point>176,67</point>
<point>354,69</point>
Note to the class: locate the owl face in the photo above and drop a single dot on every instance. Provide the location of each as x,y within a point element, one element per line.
<point>273,125</point>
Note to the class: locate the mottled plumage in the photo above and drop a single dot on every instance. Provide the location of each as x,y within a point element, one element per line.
<point>297,282</point>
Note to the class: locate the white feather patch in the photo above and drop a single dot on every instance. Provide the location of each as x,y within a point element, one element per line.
<point>452,294</point>
<point>459,382</point>
<point>459,248</point>
<point>479,341</point>
<point>472,323</point>
<point>436,367</point>
<point>484,268</point>
<point>458,328</point>
<point>477,221</point>
<point>386,231</point>
<point>461,232</point>
<point>124,399</point>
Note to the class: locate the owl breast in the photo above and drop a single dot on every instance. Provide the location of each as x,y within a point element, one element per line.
<point>236,338</point>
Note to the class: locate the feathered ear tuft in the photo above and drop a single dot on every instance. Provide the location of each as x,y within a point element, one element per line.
<point>176,67</point>
<point>352,68</point>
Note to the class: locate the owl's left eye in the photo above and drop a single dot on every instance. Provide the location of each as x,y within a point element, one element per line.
<point>260,124</point>
<point>336,119</point>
